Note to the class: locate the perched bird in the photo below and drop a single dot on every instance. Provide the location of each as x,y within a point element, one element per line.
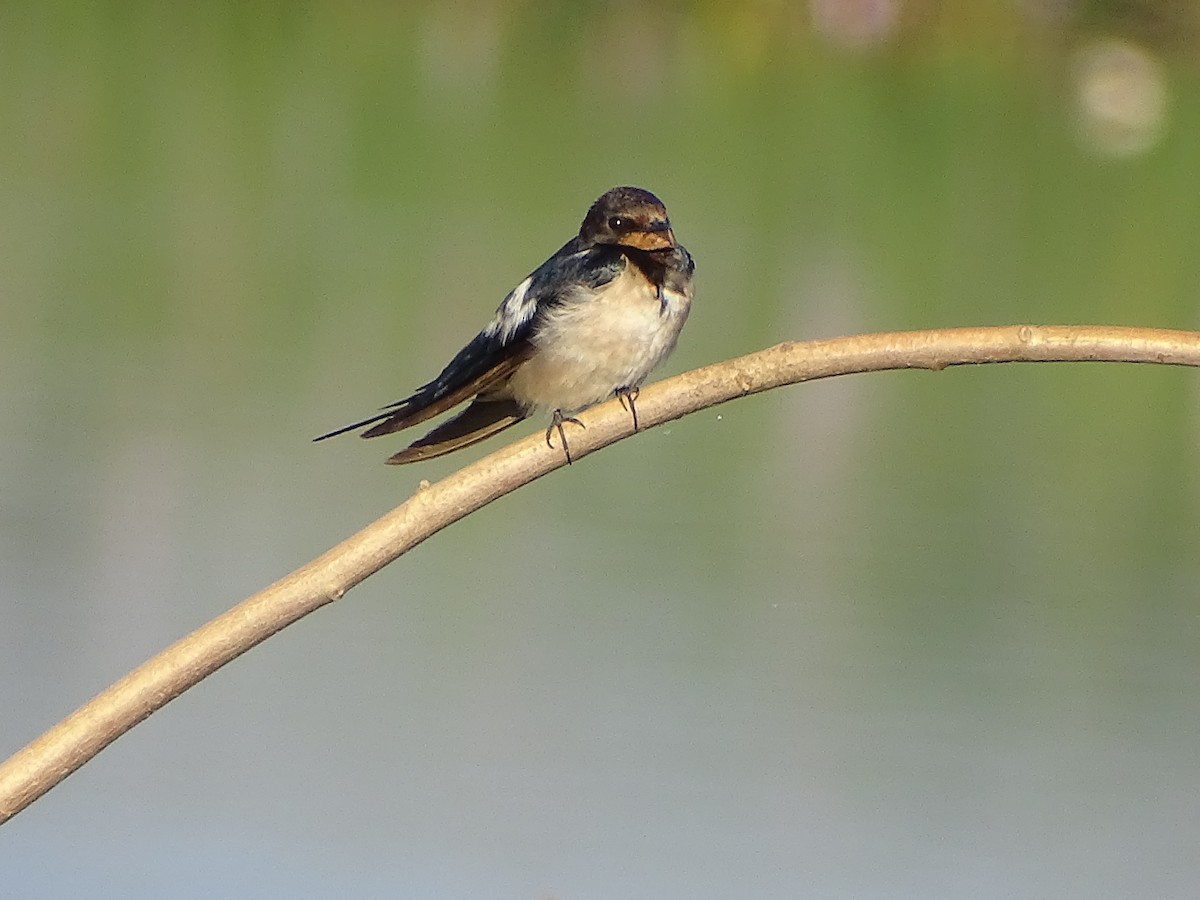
<point>591,322</point>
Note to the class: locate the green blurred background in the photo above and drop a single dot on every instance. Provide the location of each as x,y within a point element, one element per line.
<point>906,635</point>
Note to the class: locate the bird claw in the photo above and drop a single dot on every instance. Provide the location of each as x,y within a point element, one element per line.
<point>556,423</point>
<point>625,394</point>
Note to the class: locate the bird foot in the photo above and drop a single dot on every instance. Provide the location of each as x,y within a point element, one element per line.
<point>556,424</point>
<point>628,397</point>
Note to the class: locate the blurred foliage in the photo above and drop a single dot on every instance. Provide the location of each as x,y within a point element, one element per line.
<point>227,227</point>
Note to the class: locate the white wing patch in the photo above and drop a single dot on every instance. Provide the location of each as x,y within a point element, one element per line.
<point>515,310</point>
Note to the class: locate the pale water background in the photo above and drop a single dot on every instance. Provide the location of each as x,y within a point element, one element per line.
<point>907,635</point>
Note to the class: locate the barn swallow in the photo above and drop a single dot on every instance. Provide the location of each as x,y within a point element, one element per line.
<point>589,323</point>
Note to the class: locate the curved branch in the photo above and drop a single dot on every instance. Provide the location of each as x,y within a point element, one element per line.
<point>67,746</point>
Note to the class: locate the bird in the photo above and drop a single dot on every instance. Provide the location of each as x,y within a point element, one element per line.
<point>589,323</point>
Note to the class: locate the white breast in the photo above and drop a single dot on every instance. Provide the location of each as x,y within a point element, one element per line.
<point>598,341</point>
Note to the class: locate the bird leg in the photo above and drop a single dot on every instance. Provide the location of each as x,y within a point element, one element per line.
<point>556,422</point>
<point>629,394</point>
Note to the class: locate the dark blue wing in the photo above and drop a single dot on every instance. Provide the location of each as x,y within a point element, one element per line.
<point>493,353</point>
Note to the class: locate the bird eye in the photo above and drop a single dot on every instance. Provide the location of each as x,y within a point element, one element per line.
<point>617,223</point>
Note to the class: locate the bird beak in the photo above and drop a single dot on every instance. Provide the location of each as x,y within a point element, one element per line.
<point>655,236</point>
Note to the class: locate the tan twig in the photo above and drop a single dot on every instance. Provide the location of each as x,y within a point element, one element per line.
<point>67,746</point>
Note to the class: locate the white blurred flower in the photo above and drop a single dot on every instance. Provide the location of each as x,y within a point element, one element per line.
<point>855,24</point>
<point>1120,97</point>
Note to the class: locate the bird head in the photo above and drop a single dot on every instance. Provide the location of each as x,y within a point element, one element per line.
<point>628,217</point>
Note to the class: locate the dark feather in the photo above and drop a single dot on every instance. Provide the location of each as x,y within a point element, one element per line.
<point>480,420</point>
<point>417,408</point>
<point>495,352</point>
